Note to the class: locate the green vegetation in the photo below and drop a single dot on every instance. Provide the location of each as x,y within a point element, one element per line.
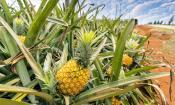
<point>45,54</point>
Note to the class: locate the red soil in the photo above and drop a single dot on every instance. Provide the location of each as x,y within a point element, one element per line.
<point>156,43</point>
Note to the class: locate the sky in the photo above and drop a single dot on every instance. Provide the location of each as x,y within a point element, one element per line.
<point>143,10</point>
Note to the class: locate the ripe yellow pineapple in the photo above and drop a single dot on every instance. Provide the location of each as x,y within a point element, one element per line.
<point>115,101</point>
<point>22,38</point>
<point>72,78</point>
<point>127,60</point>
<point>74,75</point>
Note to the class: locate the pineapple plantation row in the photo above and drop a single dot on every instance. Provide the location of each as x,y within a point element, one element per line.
<point>65,55</point>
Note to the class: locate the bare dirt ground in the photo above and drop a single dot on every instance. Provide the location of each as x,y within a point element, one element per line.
<point>162,43</point>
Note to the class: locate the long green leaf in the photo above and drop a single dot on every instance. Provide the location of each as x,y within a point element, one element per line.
<point>137,70</point>
<point>71,9</point>
<point>99,69</point>
<point>13,50</point>
<point>7,78</point>
<point>8,15</point>
<point>140,95</point>
<point>20,4</point>
<point>52,34</point>
<point>107,93</point>
<point>38,22</point>
<point>11,102</point>
<point>57,21</point>
<point>43,3</point>
<point>20,66</point>
<point>35,66</point>
<point>120,46</point>
<point>28,9</point>
<point>98,49</point>
<point>143,42</point>
<point>16,89</point>
<point>119,83</point>
<point>30,85</point>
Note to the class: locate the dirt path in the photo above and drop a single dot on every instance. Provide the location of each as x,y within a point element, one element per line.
<point>162,43</point>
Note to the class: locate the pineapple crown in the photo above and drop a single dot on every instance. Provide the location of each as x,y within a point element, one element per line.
<point>85,47</point>
<point>19,21</point>
<point>87,37</point>
<point>19,26</point>
<point>132,44</point>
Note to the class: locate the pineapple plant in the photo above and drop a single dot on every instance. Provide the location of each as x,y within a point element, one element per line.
<point>19,26</point>
<point>66,66</point>
<point>74,75</point>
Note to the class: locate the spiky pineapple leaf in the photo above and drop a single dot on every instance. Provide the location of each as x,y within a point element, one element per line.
<point>120,46</point>
<point>64,56</point>
<point>38,22</point>
<point>57,21</point>
<point>7,11</point>
<point>21,96</point>
<point>105,87</point>
<point>137,70</point>
<point>143,42</point>
<point>107,93</point>
<point>11,102</point>
<point>47,62</point>
<point>163,97</point>
<point>36,67</point>
<point>17,89</point>
<point>98,49</point>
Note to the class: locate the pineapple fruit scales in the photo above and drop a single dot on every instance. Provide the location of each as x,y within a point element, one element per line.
<point>72,77</point>
<point>21,38</point>
<point>127,60</point>
<point>115,101</point>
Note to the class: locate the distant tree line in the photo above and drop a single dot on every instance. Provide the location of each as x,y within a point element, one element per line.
<point>170,21</point>
<point>156,22</point>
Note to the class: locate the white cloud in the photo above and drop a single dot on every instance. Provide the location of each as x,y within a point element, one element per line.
<point>138,10</point>
<point>168,4</point>
<point>36,3</point>
<point>130,1</point>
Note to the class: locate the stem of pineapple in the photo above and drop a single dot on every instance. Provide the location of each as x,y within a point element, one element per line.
<point>66,98</point>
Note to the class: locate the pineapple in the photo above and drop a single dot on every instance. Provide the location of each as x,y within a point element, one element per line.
<point>109,71</point>
<point>127,60</point>
<point>19,26</point>
<point>115,101</point>
<point>22,38</point>
<point>74,75</point>
<point>132,44</point>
